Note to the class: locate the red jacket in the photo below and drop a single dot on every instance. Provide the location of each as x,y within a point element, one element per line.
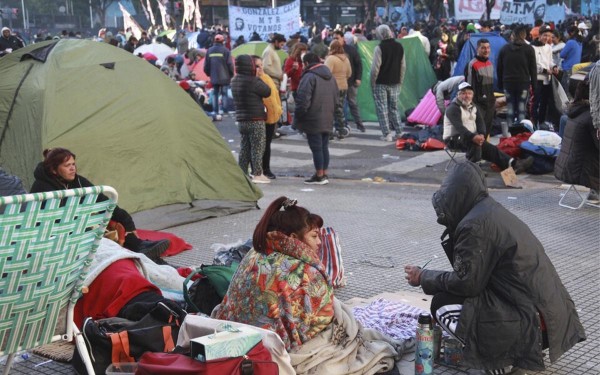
<point>294,75</point>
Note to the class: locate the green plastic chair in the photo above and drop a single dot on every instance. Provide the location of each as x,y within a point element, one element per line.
<point>47,242</point>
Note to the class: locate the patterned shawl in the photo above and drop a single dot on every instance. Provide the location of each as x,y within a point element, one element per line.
<point>285,291</point>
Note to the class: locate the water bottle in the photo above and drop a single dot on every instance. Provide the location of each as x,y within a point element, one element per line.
<point>424,353</point>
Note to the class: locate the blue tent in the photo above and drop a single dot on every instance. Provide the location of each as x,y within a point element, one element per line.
<point>470,50</point>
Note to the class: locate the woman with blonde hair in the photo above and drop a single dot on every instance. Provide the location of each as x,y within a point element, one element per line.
<point>340,67</point>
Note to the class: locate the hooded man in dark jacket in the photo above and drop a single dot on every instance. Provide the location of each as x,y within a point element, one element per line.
<point>504,300</point>
<point>316,98</point>
<point>248,92</point>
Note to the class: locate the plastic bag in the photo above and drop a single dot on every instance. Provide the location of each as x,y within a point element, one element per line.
<point>561,100</point>
<point>545,138</point>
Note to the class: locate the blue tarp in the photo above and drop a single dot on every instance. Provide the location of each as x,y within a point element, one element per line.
<point>470,50</point>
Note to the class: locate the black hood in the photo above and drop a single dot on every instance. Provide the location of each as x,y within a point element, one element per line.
<point>461,190</point>
<point>517,45</point>
<point>320,70</point>
<point>40,175</point>
<point>244,65</point>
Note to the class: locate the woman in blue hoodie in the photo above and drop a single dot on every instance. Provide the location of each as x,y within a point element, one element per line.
<point>571,54</point>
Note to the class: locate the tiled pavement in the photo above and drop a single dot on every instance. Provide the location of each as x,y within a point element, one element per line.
<point>384,226</point>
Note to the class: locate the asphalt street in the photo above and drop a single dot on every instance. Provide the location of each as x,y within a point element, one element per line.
<point>384,225</point>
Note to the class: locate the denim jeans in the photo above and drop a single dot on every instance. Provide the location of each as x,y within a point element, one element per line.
<point>517,96</point>
<point>222,91</point>
<point>319,145</point>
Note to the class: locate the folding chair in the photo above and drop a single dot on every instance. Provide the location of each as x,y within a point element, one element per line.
<point>580,200</point>
<point>452,148</point>
<point>47,242</point>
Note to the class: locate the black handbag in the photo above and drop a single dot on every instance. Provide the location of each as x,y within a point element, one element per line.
<point>118,340</point>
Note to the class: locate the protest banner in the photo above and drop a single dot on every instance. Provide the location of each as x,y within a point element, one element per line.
<point>284,20</point>
<point>555,13</point>
<point>590,8</point>
<point>475,9</point>
<point>525,12</point>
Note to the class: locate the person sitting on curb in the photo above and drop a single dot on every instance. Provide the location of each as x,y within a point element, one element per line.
<point>464,129</point>
<point>503,300</point>
<point>58,171</point>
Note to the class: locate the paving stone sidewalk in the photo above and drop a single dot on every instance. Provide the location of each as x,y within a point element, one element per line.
<point>384,226</point>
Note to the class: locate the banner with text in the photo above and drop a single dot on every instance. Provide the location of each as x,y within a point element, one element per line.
<point>522,12</point>
<point>590,7</point>
<point>284,20</point>
<point>475,9</point>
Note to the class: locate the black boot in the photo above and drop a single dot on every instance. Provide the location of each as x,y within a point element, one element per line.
<point>522,165</point>
<point>151,249</point>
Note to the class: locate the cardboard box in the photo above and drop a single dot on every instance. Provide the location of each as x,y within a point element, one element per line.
<point>224,344</point>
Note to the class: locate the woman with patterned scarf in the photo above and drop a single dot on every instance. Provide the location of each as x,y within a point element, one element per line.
<point>281,286</point>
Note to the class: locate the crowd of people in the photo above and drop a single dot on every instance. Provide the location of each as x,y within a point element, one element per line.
<point>503,300</point>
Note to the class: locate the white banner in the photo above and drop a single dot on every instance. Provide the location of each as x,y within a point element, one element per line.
<point>475,9</point>
<point>284,20</point>
<point>149,7</point>
<point>522,12</point>
<point>197,15</point>
<point>129,22</point>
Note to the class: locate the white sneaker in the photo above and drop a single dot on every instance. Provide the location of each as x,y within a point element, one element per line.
<point>388,138</point>
<point>261,179</point>
<point>218,118</point>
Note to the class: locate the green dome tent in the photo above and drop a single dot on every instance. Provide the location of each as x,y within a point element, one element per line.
<point>419,77</point>
<point>129,125</point>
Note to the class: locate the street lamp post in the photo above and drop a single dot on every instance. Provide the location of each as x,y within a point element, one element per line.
<point>25,26</point>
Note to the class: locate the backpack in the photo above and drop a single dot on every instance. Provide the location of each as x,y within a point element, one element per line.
<point>543,157</point>
<point>207,291</point>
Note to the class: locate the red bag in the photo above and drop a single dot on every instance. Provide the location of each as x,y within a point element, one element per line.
<point>512,145</point>
<point>257,361</point>
<point>432,144</point>
<point>402,144</point>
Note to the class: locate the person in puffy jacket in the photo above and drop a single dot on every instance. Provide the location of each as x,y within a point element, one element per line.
<point>315,105</point>
<point>248,92</point>
<point>274,110</point>
<point>503,300</point>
